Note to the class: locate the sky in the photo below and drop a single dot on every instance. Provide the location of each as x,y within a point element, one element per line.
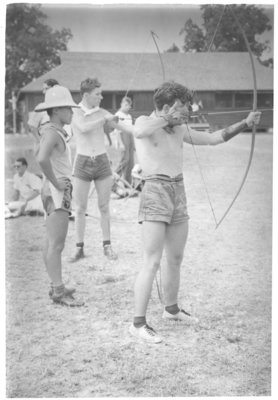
<point>122,28</point>
<point>125,28</point>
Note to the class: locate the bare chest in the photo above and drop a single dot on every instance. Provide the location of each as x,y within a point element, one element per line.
<point>168,141</point>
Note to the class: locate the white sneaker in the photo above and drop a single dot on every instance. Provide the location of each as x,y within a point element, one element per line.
<point>180,316</point>
<point>109,252</point>
<point>145,333</point>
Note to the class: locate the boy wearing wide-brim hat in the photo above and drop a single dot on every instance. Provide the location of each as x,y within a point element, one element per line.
<point>54,159</point>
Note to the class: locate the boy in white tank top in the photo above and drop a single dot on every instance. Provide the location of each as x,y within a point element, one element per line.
<point>92,164</point>
<point>54,159</point>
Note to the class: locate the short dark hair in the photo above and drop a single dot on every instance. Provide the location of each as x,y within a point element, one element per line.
<point>22,160</point>
<point>88,85</point>
<point>169,92</point>
<point>51,82</point>
<point>127,99</point>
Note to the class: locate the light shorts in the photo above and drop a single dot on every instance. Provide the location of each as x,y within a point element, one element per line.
<point>32,205</point>
<point>54,199</point>
<point>92,168</point>
<point>163,199</point>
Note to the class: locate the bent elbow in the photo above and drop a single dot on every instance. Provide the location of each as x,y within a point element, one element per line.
<point>137,133</point>
<point>42,161</point>
<point>213,143</point>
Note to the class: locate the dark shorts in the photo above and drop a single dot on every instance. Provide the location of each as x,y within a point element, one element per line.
<point>53,199</point>
<point>92,168</point>
<point>163,199</point>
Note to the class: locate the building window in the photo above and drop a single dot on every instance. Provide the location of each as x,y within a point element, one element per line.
<point>106,102</point>
<point>265,100</point>
<point>243,100</point>
<point>223,100</point>
<point>76,97</point>
<point>143,102</point>
<point>34,100</point>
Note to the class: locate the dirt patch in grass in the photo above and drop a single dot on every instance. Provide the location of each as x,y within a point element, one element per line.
<point>53,351</point>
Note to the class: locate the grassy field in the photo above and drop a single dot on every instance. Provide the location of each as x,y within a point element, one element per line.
<point>226,282</point>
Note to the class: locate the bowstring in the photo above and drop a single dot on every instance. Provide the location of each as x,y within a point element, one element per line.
<point>159,283</point>
<point>151,35</point>
<point>202,177</point>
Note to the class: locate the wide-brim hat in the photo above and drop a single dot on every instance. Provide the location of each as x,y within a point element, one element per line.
<point>57,96</point>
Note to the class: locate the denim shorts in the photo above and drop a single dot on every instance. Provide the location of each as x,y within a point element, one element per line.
<point>92,168</point>
<point>163,199</point>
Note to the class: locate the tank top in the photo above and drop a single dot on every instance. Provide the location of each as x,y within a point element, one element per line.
<point>60,162</point>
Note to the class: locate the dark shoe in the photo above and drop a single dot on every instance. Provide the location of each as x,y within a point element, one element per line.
<point>78,255</point>
<point>67,301</point>
<point>67,291</point>
<point>181,315</point>
<point>35,213</point>
<point>59,296</point>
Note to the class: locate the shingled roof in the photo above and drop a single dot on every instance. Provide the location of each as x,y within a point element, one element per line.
<point>136,72</point>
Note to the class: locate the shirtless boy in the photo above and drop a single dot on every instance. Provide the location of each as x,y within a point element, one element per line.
<point>163,210</point>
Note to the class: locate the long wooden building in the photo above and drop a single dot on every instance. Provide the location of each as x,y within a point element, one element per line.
<point>222,81</point>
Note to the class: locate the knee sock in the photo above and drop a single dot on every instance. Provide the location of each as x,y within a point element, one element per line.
<point>174,309</point>
<point>106,242</point>
<point>139,321</point>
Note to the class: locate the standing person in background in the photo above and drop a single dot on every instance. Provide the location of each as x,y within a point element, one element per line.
<point>92,163</point>
<point>195,108</point>
<point>55,161</point>
<point>38,119</point>
<point>125,141</point>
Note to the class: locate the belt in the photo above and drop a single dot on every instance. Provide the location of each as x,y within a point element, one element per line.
<point>93,157</point>
<point>162,177</point>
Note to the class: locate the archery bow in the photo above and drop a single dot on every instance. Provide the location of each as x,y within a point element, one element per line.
<point>254,109</point>
<point>199,114</point>
<point>159,285</point>
<point>154,36</point>
<point>195,152</point>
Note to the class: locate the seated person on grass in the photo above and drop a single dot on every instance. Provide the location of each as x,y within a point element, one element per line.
<point>27,188</point>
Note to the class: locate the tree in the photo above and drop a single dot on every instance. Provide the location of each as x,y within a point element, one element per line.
<point>228,37</point>
<point>32,47</point>
<point>194,40</point>
<point>268,62</point>
<point>173,49</point>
